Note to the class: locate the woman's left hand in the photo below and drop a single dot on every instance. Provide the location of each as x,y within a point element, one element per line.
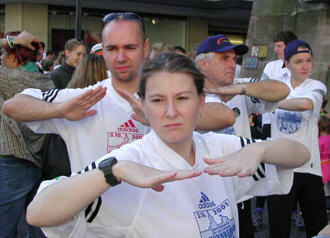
<point>241,163</point>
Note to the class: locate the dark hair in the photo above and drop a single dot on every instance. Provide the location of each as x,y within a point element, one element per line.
<point>179,48</point>
<point>285,36</point>
<point>42,44</point>
<point>324,124</point>
<point>72,44</point>
<point>172,63</point>
<point>129,16</point>
<point>50,52</point>
<point>47,64</point>
<point>22,53</point>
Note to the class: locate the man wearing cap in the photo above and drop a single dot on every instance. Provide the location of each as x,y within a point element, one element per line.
<point>216,57</point>
<point>296,118</point>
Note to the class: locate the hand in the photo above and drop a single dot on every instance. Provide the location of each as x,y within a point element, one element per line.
<point>146,177</point>
<point>25,39</point>
<point>78,108</point>
<point>241,163</point>
<point>136,104</point>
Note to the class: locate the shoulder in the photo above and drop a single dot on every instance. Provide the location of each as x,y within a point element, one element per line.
<point>316,86</point>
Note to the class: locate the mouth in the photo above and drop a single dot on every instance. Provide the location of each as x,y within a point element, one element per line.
<point>173,125</point>
<point>122,68</point>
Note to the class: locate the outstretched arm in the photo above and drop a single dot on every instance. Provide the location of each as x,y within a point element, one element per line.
<point>267,90</point>
<point>296,104</point>
<point>27,108</point>
<point>284,153</point>
<point>215,117</point>
<point>59,202</point>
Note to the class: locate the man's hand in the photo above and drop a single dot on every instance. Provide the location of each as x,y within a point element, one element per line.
<point>146,177</point>
<point>78,107</point>
<point>136,104</point>
<point>241,163</point>
<point>25,39</point>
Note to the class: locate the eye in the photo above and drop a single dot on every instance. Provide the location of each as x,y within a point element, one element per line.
<point>155,100</point>
<point>183,98</point>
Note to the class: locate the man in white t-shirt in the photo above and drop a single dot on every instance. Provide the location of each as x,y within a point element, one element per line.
<point>274,70</point>
<point>216,57</point>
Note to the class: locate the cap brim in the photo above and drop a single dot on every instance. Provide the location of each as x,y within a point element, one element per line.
<point>239,49</point>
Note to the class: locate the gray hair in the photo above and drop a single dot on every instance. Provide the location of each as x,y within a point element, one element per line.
<point>203,56</point>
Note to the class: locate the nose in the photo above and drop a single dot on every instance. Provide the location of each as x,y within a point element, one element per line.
<point>232,63</point>
<point>171,110</point>
<point>121,55</point>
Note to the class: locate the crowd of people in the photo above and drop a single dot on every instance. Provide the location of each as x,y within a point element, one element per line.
<point>160,144</point>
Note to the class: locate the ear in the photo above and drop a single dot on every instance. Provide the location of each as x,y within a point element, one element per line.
<point>203,65</point>
<point>146,48</point>
<point>66,52</point>
<point>13,59</point>
<point>287,64</point>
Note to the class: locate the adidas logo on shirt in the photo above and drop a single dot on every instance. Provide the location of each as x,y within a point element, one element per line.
<point>128,127</point>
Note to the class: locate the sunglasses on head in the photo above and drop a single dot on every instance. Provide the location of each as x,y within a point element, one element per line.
<point>124,16</point>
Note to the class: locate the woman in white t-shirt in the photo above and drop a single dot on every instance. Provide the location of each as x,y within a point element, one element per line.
<point>296,118</point>
<point>196,204</point>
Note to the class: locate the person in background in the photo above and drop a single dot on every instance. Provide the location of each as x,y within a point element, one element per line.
<point>91,69</point>
<point>216,57</point>
<point>59,59</point>
<point>74,52</point>
<point>19,56</point>
<point>275,70</point>
<point>179,50</point>
<point>171,88</point>
<point>47,66</point>
<point>324,144</point>
<point>296,118</point>
<point>159,48</point>
<point>20,148</point>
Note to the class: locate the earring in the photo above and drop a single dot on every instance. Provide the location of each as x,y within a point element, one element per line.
<point>146,116</point>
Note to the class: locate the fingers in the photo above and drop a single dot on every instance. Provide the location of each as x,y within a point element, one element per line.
<point>127,96</point>
<point>91,97</point>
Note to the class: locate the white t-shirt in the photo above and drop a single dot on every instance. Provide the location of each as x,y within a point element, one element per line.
<point>93,137</point>
<point>302,126</point>
<point>243,106</point>
<point>204,206</point>
<point>273,70</point>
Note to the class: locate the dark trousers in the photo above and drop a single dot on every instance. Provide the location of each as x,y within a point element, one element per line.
<point>245,219</point>
<point>307,190</point>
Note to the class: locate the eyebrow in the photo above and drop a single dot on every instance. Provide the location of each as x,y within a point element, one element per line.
<point>160,95</point>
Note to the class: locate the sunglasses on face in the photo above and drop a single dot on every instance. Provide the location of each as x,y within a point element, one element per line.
<point>124,16</point>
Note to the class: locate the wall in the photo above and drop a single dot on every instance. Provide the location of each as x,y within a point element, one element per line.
<point>27,16</point>
<point>309,21</point>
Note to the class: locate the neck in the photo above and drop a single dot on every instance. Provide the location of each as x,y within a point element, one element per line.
<point>296,82</point>
<point>185,150</point>
<point>131,86</point>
